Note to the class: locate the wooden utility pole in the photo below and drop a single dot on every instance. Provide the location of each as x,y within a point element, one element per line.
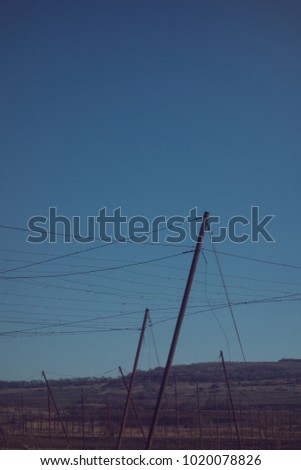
<point>231,401</point>
<point>177,328</point>
<point>56,408</point>
<point>126,407</point>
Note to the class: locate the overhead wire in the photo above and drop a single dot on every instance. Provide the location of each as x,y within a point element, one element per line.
<point>228,300</point>
<point>153,339</point>
<point>112,242</point>
<point>112,268</point>
<point>128,239</point>
<point>275,299</point>
<point>212,311</point>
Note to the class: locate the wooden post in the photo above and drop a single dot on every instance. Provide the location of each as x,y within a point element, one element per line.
<point>49,418</point>
<point>56,408</point>
<point>4,438</point>
<point>133,405</point>
<point>216,421</point>
<point>231,401</point>
<point>109,424</point>
<point>83,418</point>
<point>177,409</point>
<point>128,399</point>
<point>199,416</point>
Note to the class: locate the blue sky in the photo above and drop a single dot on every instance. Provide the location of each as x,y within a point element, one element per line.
<point>154,107</point>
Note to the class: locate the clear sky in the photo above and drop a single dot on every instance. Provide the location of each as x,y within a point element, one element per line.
<point>155,107</point>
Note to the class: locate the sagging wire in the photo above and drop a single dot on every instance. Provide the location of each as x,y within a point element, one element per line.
<point>228,299</point>
<point>212,310</point>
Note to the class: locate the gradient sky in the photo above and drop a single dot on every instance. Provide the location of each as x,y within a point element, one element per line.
<point>155,107</point>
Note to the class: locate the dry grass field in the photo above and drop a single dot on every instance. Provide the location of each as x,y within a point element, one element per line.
<point>196,412</point>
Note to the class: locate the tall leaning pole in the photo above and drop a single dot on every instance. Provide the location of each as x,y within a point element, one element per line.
<point>177,330</point>
<point>129,395</point>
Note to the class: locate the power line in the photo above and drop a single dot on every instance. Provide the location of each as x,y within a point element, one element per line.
<point>212,311</point>
<point>33,332</point>
<point>259,260</point>
<point>127,239</point>
<point>113,268</point>
<point>153,339</point>
<point>277,299</point>
<point>60,324</point>
<point>57,258</point>
<point>229,303</point>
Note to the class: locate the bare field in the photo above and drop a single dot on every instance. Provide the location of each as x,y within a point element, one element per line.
<point>196,414</point>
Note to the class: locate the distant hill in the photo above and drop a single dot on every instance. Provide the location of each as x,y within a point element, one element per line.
<point>195,412</point>
<point>198,372</point>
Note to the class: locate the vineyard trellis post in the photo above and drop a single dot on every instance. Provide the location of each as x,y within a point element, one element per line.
<point>56,408</point>
<point>128,399</point>
<point>83,418</point>
<point>133,404</point>
<point>231,400</point>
